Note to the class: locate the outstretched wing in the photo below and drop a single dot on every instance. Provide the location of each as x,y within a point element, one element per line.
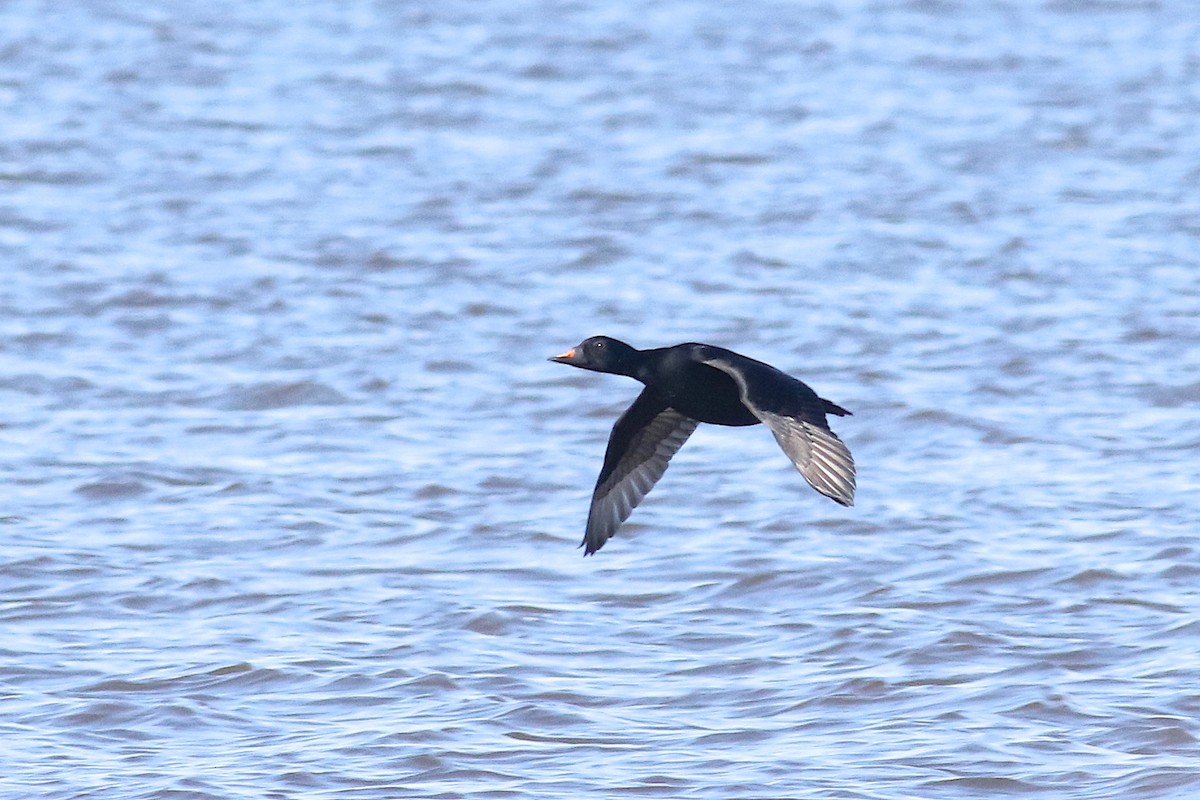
<point>639,448</point>
<point>796,415</point>
<point>822,458</point>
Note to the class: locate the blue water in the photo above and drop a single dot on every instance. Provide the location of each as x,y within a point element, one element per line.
<point>293,496</point>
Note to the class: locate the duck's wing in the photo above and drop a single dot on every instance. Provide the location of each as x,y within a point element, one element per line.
<point>796,416</point>
<point>639,448</point>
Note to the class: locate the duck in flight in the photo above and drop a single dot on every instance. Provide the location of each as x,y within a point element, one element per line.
<point>692,383</point>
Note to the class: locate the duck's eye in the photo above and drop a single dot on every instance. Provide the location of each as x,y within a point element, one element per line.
<point>599,345</point>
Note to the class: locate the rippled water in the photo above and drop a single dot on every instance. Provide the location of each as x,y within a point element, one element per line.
<point>293,496</point>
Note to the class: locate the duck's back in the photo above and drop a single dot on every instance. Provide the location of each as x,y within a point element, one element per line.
<point>697,390</point>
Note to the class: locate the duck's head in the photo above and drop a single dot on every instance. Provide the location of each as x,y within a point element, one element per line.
<point>599,354</point>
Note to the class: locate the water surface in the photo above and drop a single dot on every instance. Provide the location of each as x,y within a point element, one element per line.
<point>293,495</point>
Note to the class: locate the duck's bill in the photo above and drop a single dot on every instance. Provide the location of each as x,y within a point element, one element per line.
<point>569,357</point>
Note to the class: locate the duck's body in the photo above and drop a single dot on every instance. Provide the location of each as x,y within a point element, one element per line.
<point>692,383</point>
<point>694,389</point>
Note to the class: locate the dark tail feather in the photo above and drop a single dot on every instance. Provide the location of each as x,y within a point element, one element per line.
<point>833,408</point>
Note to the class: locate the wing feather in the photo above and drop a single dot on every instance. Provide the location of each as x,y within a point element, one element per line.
<point>820,456</point>
<point>801,431</point>
<point>641,445</point>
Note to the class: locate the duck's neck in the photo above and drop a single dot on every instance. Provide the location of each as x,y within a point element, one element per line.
<point>639,364</point>
<point>625,360</point>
